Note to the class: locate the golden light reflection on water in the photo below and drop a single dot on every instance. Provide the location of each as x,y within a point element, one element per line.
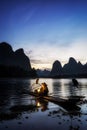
<point>43,105</point>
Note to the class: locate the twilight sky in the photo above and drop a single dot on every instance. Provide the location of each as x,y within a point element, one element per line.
<point>47,30</point>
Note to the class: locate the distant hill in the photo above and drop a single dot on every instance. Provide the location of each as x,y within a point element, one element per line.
<point>43,73</point>
<point>15,64</point>
<point>56,69</point>
<point>71,69</point>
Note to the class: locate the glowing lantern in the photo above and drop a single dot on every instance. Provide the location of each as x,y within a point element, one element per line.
<point>38,90</point>
<point>38,104</point>
<point>42,90</point>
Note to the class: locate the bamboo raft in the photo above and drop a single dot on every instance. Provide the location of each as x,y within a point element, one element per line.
<point>41,92</point>
<point>68,101</point>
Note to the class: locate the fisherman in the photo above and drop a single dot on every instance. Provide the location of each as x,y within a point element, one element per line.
<point>44,89</point>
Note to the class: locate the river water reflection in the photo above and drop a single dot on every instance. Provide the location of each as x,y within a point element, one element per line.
<point>19,110</point>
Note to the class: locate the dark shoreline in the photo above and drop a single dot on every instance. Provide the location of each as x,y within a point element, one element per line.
<point>42,77</point>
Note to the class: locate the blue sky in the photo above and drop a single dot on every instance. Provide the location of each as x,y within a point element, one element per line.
<point>48,30</point>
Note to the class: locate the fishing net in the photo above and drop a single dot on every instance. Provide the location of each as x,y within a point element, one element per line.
<point>35,86</point>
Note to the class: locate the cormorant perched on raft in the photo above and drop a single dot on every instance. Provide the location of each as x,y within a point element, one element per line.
<point>75,82</point>
<point>37,80</point>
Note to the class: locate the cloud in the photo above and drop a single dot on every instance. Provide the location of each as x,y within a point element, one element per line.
<point>46,53</point>
<point>34,61</point>
<point>79,50</point>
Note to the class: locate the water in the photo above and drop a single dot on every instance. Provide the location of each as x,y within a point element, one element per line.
<point>19,110</point>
